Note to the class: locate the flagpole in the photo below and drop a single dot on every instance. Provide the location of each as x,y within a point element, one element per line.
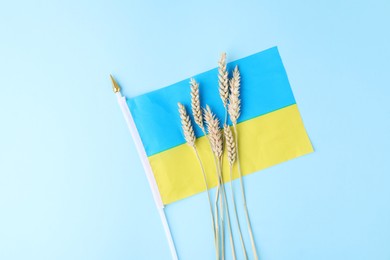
<point>145,163</point>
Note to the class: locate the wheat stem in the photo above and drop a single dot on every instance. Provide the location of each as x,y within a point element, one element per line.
<point>217,230</point>
<point>216,215</point>
<point>207,188</point>
<point>221,211</point>
<point>236,215</point>
<point>222,226</point>
<point>228,217</point>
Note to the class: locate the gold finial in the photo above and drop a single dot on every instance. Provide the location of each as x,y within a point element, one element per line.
<point>115,86</point>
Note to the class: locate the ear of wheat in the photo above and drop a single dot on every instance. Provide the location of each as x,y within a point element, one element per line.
<point>223,82</point>
<point>234,107</point>
<point>215,134</point>
<point>230,145</point>
<point>223,79</point>
<point>195,104</point>
<point>188,130</point>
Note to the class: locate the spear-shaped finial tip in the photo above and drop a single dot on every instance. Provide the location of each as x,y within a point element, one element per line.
<point>115,86</point>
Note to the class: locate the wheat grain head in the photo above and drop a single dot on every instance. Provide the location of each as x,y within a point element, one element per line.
<point>195,104</point>
<point>215,134</point>
<point>223,80</point>
<point>230,145</point>
<point>234,105</point>
<point>186,125</point>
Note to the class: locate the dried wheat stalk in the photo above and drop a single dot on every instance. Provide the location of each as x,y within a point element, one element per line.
<point>215,138</point>
<point>198,118</point>
<point>215,135</point>
<point>190,138</point>
<point>223,82</point>
<point>232,155</point>
<point>234,109</point>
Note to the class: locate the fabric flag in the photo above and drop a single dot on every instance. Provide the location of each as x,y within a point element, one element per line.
<point>270,127</point>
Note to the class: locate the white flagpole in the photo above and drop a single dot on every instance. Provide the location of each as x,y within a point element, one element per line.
<point>145,163</point>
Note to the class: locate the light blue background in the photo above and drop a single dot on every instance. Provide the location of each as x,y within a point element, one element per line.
<point>71,183</point>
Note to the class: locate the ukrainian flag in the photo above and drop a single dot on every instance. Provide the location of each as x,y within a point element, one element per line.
<point>270,127</point>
